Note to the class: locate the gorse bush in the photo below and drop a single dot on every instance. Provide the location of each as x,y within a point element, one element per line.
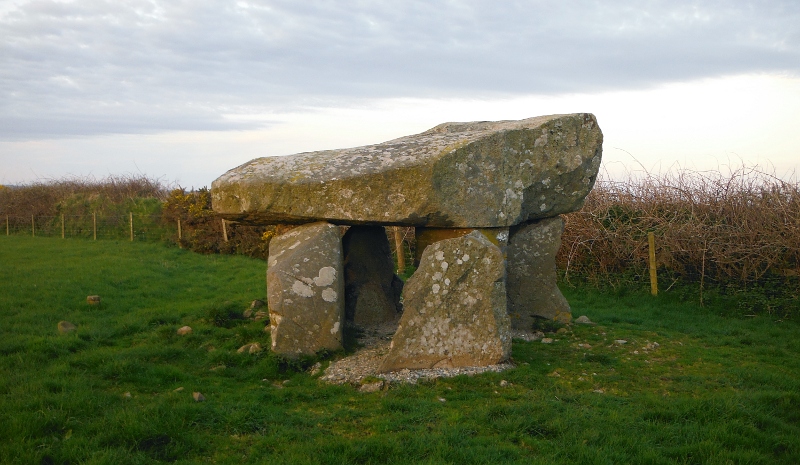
<point>201,228</point>
<point>740,228</point>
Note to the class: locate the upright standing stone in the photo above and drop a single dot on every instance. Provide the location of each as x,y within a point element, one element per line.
<point>532,281</point>
<point>427,236</point>
<point>454,308</point>
<point>371,288</point>
<point>305,290</point>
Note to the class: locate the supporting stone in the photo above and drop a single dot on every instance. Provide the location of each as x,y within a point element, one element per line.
<point>532,281</point>
<point>372,290</point>
<point>427,236</point>
<point>305,290</point>
<point>454,311</point>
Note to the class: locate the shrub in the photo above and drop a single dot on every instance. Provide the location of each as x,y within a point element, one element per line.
<point>740,228</point>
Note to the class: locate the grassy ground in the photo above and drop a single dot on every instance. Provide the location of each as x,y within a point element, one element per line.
<point>690,385</point>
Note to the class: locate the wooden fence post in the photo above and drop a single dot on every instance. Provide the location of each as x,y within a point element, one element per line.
<point>62,226</point>
<point>131,213</point>
<point>180,236</point>
<point>33,227</point>
<point>94,225</point>
<point>224,231</point>
<point>653,274</point>
<point>398,247</point>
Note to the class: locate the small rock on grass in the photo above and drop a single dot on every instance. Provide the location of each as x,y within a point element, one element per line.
<point>547,340</point>
<point>583,320</point>
<point>314,370</point>
<point>371,387</point>
<point>93,299</point>
<point>127,395</point>
<point>503,383</point>
<point>184,330</point>
<point>620,341</point>
<point>198,397</point>
<point>252,348</point>
<point>65,327</point>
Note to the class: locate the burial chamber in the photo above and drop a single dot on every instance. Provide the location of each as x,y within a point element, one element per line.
<point>493,188</point>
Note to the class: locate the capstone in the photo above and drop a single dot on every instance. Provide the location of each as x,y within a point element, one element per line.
<point>455,175</point>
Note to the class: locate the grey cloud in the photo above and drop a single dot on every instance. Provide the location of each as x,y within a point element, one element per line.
<point>92,66</point>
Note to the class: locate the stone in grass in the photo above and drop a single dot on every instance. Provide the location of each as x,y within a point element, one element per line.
<point>252,348</point>
<point>65,327</point>
<point>254,305</point>
<point>371,387</point>
<point>198,397</point>
<point>184,330</point>
<point>305,290</point>
<point>93,299</point>
<point>583,320</point>
<point>454,308</point>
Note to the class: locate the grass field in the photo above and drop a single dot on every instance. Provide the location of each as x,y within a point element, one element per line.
<point>691,384</point>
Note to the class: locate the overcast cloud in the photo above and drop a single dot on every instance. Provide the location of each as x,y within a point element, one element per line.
<point>92,67</point>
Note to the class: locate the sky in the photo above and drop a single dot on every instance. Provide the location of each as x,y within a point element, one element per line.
<point>185,90</point>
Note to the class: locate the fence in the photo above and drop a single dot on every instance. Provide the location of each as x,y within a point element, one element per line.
<point>138,227</point>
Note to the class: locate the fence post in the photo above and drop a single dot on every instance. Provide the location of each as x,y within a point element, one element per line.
<point>224,231</point>
<point>180,236</point>
<point>398,247</point>
<point>131,215</point>
<point>653,274</point>
<point>94,225</point>
<point>62,226</point>
<point>33,227</point>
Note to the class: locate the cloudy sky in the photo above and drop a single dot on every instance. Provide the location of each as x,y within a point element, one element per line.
<point>185,90</point>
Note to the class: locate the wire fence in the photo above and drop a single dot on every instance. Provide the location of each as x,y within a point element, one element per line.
<point>132,227</point>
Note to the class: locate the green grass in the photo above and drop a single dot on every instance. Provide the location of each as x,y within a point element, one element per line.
<point>719,388</point>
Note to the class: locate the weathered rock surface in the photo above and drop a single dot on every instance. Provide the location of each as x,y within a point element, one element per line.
<point>305,290</point>
<point>371,288</point>
<point>184,330</point>
<point>427,236</point>
<point>454,311</point>
<point>480,174</point>
<point>532,288</point>
<point>65,327</point>
<point>251,348</point>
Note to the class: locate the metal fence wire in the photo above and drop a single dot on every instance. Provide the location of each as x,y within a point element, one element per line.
<point>133,227</point>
